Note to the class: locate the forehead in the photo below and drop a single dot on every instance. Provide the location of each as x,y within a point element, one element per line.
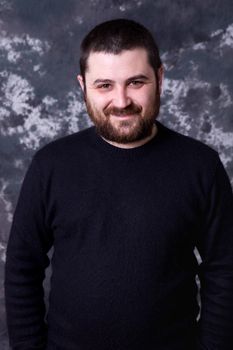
<point>110,66</point>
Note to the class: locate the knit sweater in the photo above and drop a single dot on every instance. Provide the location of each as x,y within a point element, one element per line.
<point>123,224</point>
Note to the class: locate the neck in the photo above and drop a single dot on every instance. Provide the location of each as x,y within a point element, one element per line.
<point>135,143</point>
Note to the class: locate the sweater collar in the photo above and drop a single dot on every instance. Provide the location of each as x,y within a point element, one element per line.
<point>112,151</point>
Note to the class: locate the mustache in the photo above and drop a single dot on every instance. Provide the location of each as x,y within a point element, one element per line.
<point>131,109</point>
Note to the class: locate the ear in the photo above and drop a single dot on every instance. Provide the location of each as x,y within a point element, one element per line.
<point>81,82</point>
<point>160,75</point>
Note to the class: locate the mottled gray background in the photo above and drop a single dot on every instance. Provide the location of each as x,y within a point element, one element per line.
<point>40,99</point>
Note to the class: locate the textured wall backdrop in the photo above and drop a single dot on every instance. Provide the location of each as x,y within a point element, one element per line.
<point>40,99</point>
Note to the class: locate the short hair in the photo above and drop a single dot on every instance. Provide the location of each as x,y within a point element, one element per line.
<point>117,35</point>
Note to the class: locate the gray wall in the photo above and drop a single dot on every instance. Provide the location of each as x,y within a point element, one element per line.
<point>40,99</point>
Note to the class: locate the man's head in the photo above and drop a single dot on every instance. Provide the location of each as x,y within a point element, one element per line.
<point>121,74</point>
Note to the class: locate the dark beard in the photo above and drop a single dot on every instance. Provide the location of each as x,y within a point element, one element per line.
<point>143,129</point>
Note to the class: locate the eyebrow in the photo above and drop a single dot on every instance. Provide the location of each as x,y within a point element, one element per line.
<point>109,81</point>
<point>103,81</point>
<point>137,77</point>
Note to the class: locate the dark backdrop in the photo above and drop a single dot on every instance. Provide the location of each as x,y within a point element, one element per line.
<point>40,99</point>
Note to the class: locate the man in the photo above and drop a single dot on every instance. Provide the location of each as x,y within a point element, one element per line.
<point>124,203</point>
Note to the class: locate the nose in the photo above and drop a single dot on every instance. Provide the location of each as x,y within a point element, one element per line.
<point>121,98</point>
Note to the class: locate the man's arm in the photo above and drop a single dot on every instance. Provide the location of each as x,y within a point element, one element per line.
<point>215,245</point>
<point>26,261</point>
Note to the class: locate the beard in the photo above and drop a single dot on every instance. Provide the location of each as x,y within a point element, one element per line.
<point>134,128</point>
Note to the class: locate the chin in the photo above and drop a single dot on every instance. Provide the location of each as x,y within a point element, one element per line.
<point>129,136</point>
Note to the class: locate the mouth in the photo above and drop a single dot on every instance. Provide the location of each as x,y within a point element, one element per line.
<point>123,116</point>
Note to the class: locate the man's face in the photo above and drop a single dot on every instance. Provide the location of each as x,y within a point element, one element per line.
<point>121,94</point>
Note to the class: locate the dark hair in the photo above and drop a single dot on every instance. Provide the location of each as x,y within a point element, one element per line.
<point>115,36</point>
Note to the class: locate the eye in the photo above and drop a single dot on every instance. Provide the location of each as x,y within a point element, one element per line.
<point>104,86</point>
<point>136,83</point>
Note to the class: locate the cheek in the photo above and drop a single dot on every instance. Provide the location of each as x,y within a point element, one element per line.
<point>145,101</point>
<point>98,101</point>
<point>146,97</point>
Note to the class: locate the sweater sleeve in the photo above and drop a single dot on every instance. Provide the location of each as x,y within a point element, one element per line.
<point>26,260</point>
<point>215,245</point>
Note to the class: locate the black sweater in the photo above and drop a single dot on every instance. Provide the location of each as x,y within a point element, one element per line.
<point>123,224</point>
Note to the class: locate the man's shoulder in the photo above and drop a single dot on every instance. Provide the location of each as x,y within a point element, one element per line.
<point>186,146</point>
<point>65,146</point>
<point>191,158</point>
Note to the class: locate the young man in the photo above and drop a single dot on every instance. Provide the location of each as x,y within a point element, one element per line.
<point>124,203</point>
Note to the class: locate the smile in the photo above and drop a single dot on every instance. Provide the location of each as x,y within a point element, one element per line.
<point>122,116</point>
